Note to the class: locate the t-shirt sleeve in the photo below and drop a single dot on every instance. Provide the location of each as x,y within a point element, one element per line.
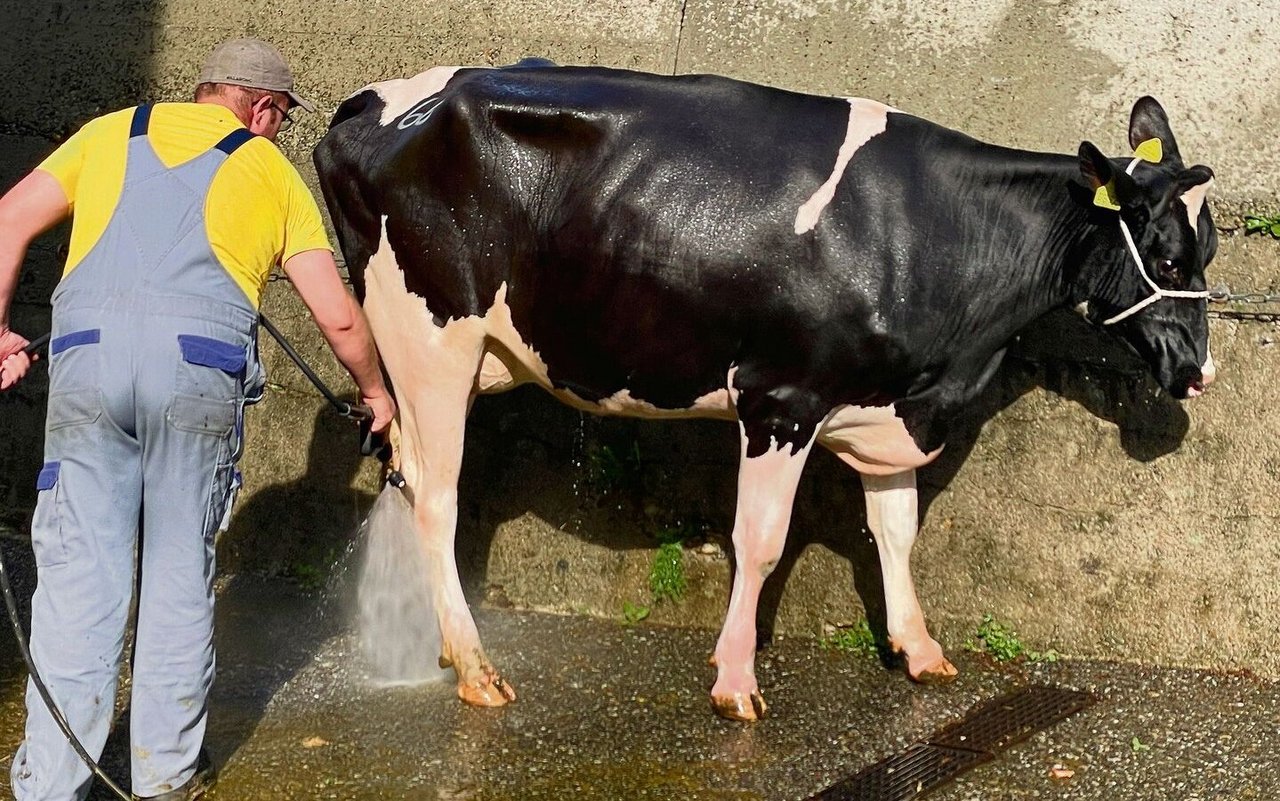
<point>304,227</point>
<point>65,163</point>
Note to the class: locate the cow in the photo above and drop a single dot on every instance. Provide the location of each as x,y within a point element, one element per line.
<point>821,270</point>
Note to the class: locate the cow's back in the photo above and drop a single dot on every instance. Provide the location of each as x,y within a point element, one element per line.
<point>644,230</point>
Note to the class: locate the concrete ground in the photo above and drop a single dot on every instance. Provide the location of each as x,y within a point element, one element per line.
<point>613,712</point>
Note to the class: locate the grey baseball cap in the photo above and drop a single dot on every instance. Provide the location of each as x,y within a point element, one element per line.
<point>253,63</point>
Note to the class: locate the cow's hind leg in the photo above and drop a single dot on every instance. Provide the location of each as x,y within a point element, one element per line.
<point>766,491</point>
<point>893,516</point>
<point>434,399</point>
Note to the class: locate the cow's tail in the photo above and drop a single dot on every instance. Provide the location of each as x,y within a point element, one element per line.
<point>355,220</point>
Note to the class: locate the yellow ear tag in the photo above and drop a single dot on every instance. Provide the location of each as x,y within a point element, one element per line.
<point>1150,150</point>
<point>1105,196</point>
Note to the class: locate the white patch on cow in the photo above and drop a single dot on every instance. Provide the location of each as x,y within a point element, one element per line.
<point>766,491</point>
<point>866,119</point>
<point>872,440</point>
<point>402,94</point>
<point>1194,200</point>
<point>433,369</point>
<point>713,404</point>
<point>1082,309</point>
<point>494,375</point>
<point>412,346</point>
<point>893,517</point>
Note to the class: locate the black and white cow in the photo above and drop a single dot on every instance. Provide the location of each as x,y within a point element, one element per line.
<point>822,270</point>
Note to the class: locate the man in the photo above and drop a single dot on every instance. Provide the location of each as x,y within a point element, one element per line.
<point>180,211</point>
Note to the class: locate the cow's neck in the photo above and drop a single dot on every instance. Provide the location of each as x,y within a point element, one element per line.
<point>1029,236</point>
<point>1022,244</point>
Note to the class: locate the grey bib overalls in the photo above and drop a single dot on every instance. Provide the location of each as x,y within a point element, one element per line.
<point>152,360</point>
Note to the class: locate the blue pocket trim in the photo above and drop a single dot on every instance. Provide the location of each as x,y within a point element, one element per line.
<point>91,336</point>
<point>48,478</point>
<point>207,352</point>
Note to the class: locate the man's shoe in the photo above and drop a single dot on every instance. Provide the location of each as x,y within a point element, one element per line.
<point>195,787</point>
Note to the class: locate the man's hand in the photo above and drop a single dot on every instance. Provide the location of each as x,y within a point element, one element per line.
<point>384,410</point>
<point>14,362</point>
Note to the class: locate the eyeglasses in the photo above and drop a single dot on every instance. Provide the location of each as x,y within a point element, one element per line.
<point>286,122</point>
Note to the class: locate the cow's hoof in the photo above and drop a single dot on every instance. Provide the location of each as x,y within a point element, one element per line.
<point>746,708</point>
<point>940,671</point>
<point>491,690</point>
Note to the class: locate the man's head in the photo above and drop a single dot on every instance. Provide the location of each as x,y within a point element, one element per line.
<point>252,79</point>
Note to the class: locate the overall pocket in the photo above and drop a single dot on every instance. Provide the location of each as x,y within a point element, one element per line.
<point>210,368</point>
<point>76,406</point>
<point>209,385</point>
<point>46,526</point>
<point>73,360</point>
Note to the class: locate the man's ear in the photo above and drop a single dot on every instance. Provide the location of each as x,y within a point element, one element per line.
<point>259,116</point>
<point>261,104</point>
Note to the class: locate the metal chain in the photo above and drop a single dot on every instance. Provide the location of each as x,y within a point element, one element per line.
<point>1224,295</point>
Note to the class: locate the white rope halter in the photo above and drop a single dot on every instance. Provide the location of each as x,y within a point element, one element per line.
<point>1157,291</point>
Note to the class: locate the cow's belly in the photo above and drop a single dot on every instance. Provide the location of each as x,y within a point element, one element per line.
<point>872,440</point>
<point>509,362</point>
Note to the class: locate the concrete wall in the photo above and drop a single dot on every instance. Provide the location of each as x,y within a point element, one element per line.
<point>1076,502</point>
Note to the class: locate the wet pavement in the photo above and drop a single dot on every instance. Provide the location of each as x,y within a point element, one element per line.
<point>607,711</point>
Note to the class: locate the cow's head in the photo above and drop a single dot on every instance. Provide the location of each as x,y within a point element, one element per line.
<point>1160,311</point>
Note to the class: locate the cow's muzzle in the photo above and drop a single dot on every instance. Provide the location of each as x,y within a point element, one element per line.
<point>1208,373</point>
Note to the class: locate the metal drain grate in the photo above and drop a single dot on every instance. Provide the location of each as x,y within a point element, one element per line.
<point>907,775</point>
<point>1002,722</point>
<point>987,729</point>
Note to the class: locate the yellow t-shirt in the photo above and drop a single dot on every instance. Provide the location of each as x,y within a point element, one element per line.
<point>258,211</point>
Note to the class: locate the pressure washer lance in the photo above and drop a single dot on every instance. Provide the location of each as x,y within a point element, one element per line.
<point>370,444</point>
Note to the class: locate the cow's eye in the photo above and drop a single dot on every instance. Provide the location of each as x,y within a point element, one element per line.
<point>1168,271</point>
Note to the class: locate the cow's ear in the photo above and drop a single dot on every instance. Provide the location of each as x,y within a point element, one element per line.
<point>1192,185</point>
<point>1095,167</point>
<point>1192,177</point>
<point>1148,121</point>
<point>1112,188</point>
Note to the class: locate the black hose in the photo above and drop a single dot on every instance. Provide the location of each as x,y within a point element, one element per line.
<point>371,444</point>
<point>345,409</point>
<point>36,344</point>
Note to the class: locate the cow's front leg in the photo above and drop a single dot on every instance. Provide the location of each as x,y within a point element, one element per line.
<point>893,515</point>
<point>435,398</point>
<point>766,490</point>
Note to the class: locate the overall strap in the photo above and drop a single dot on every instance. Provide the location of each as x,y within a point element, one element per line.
<point>141,121</point>
<point>232,141</point>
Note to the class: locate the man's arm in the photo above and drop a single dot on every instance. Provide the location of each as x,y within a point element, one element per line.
<point>343,324</point>
<point>32,207</point>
